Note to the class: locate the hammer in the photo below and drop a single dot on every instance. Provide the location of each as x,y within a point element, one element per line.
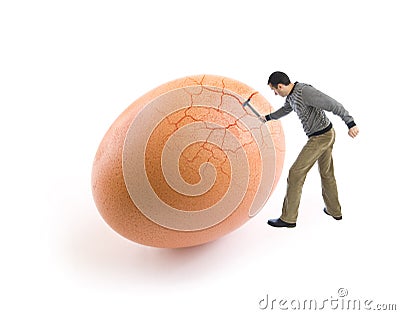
<point>261,118</point>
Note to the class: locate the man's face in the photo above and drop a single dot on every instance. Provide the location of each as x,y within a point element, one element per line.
<point>279,90</point>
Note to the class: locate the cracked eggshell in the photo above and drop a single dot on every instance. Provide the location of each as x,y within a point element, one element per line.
<point>186,164</point>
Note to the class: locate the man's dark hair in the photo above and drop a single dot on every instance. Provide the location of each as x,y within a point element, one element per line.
<point>278,78</point>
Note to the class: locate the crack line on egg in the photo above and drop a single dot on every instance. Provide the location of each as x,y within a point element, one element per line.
<point>207,152</point>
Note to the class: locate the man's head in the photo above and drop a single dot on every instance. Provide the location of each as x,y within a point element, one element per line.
<point>280,83</point>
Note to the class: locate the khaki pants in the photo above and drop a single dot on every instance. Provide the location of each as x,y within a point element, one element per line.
<point>317,148</point>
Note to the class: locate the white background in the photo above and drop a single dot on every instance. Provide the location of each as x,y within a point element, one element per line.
<point>68,69</point>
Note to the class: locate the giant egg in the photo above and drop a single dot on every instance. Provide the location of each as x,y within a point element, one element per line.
<point>186,163</point>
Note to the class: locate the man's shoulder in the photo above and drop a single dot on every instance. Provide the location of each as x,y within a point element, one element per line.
<point>301,86</point>
<point>306,89</point>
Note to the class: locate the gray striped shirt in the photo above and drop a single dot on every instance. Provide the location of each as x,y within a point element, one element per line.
<point>310,104</point>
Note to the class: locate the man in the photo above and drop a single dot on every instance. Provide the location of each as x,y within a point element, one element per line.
<point>309,104</point>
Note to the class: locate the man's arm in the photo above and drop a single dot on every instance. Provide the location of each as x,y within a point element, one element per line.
<point>283,111</point>
<point>315,98</point>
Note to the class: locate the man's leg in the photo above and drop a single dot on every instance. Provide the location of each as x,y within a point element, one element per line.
<point>311,152</point>
<point>328,183</point>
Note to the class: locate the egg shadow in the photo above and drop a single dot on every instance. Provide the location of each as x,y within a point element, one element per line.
<point>93,249</point>
<point>89,248</point>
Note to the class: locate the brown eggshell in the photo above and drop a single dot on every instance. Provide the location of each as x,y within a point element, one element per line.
<point>186,163</point>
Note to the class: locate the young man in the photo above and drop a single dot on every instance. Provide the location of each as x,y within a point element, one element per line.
<point>309,104</point>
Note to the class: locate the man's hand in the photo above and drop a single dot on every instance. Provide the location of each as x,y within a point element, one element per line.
<point>353,131</point>
<point>262,119</point>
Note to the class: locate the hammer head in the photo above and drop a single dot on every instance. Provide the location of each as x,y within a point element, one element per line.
<point>261,118</point>
<point>246,103</point>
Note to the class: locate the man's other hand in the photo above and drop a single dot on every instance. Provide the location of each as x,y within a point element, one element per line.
<point>353,131</point>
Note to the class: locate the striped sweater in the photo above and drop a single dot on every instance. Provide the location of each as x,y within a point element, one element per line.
<point>310,104</point>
